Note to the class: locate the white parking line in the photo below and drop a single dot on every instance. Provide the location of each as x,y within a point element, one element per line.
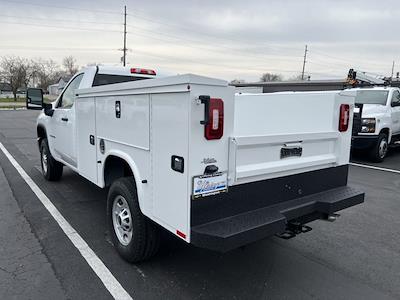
<point>110,282</point>
<point>375,168</point>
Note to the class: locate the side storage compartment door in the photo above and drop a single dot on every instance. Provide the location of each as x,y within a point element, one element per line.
<point>86,138</point>
<point>169,139</point>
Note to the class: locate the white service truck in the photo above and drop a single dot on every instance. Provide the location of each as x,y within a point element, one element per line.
<point>184,153</point>
<point>376,120</point>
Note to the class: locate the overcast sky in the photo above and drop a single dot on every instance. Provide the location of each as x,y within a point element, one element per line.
<point>224,39</point>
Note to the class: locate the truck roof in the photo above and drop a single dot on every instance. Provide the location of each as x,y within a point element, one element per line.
<point>182,80</point>
<point>122,71</point>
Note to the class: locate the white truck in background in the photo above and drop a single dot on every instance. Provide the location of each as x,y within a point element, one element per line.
<point>184,153</point>
<point>376,120</point>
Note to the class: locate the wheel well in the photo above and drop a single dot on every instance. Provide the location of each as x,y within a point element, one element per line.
<point>41,134</point>
<point>385,131</point>
<point>114,168</point>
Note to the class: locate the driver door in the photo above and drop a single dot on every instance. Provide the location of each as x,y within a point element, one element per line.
<point>395,107</point>
<point>64,130</point>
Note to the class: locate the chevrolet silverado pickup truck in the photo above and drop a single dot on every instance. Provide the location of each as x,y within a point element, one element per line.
<point>185,154</point>
<point>376,120</point>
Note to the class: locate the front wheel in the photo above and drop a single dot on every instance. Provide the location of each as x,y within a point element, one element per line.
<point>134,236</point>
<point>380,150</point>
<point>52,170</point>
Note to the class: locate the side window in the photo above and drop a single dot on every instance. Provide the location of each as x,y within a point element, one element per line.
<point>396,98</point>
<point>68,97</point>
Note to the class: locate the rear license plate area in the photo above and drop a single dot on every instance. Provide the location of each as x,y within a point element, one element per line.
<point>207,185</point>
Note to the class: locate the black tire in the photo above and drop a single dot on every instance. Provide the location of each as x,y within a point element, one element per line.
<point>145,240</point>
<point>377,153</point>
<point>54,169</point>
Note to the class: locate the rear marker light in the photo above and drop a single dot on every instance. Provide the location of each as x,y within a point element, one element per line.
<point>344,117</point>
<point>181,234</point>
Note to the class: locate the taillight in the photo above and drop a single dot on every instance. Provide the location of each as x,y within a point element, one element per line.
<point>344,117</point>
<point>214,117</point>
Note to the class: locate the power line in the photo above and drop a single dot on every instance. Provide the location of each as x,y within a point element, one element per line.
<point>180,27</point>
<point>152,20</point>
<point>219,38</point>
<point>314,61</point>
<point>118,13</point>
<point>343,59</point>
<point>61,20</point>
<point>63,7</point>
<point>38,48</point>
<point>198,44</point>
<point>104,30</point>
<point>155,55</point>
<point>157,21</point>
<point>61,27</point>
<point>175,59</point>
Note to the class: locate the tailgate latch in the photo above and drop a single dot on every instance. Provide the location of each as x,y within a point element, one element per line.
<point>291,149</point>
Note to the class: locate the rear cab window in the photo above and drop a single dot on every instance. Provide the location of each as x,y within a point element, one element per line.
<point>104,79</point>
<point>372,97</point>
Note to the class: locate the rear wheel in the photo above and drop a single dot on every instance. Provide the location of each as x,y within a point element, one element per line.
<point>134,236</point>
<point>379,151</point>
<point>52,170</point>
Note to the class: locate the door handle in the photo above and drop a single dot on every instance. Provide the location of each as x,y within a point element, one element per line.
<point>64,119</point>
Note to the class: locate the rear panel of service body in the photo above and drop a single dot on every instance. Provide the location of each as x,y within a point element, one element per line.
<point>267,125</point>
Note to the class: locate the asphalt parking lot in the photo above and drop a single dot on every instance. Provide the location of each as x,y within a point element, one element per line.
<point>356,257</point>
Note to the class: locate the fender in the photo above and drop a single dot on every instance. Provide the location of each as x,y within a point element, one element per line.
<point>135,171</point>
<point>39,137</point>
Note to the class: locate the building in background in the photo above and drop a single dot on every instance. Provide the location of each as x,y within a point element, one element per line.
<point>5,88</point>
<point>53,89</point>
<point>56,88</point>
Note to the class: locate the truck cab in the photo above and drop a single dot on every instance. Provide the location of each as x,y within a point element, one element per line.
<point>376,120</point>
<point>61,129</point>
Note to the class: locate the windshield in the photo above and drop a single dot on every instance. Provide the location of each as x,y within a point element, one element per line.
<point>372,97</point>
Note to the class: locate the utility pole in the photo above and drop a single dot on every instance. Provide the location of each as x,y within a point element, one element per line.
<point>124,49</point>
<point>304,63</point>
<point>392,70</point>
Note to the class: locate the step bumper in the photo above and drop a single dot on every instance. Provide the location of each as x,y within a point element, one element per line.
<point>244,228</point>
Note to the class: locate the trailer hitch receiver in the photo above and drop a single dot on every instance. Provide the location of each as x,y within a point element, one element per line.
<point>293,228</point>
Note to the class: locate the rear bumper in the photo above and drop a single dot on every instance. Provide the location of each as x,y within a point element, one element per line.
<point>363,142</point>
<point>271,213</point>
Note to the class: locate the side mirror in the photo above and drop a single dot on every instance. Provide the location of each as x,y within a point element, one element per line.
<point>48,109</point>
<point>34,98</point>
<point>395,104</point>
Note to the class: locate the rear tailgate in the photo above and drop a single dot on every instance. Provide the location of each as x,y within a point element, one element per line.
<point>282,134</point>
